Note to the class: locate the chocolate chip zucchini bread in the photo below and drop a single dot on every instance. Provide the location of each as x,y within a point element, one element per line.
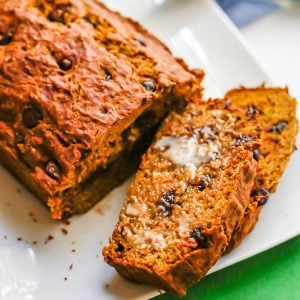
<point>191,190</point>
<point>82,90</point>
<point>276,111</point>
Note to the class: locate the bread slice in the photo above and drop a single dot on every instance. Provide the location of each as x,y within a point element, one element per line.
<point>190,193</point>
<point>276,111</point>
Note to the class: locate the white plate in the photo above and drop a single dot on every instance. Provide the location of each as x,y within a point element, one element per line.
<point>202,34</point>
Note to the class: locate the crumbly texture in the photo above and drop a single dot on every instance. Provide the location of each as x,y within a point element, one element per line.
<point>190,193</point>
<point>276,111</point>
<point>80,86</point>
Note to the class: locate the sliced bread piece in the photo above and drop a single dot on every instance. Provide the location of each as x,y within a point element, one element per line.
<point>276,111</point>
<point>190,193</point>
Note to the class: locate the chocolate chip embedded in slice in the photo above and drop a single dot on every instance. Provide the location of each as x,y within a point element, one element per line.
<point>260,195</point>
<point>259,181</point>
<point>65,64</point>
<point>31,117</point>
<point>251,111</point>
<point>108,75</point>
<point>149,86</point>
<point>52,169</point>
<point>278,127</point>
<point>201,239</point>
<point>5,39</point>
<point>204,182</point>
<point>256,154</point>
<point>141,41</point>
<point>120,248</point>
<point>167,201</point>
<point>19,138</point>
<point>57,15</point>
<point>242,139</point>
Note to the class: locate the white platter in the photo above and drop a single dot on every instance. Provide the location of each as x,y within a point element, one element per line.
<point>198,31</point>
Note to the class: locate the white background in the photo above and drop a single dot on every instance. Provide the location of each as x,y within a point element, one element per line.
<point>275,43</point>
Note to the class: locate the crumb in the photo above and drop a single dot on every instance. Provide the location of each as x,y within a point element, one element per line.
<point>19,239</point>
<point>73,250</point>
<point>66,278</point>
<point>73,243</point>
<point>5,237</point>
<point>97,255</point>
<point>34,242</point>
<point>107,285</point>
<point>49,238</point>
<point>99,210</point>
<point>67,222</point>
<point>64,231</point>
<point>32,216</point>
<point>71,267</point>
<point>100,243</point>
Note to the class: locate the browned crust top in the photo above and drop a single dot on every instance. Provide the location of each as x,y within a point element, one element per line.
<point>70,71</point>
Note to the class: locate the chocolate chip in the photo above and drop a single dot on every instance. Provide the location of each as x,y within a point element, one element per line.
<point>202,185</point>
<point>112,144</point>
<point>52,169</point>
<point>108,75</point>
<point>259,180</point>
<point>56,15</point>
<point>167,201</point>
<point>252,111</point>
<point>256,154</point>
<point>65,64</point>
<point>5,39</point>
<point>31,117</point>
<point>149,86</point>
<point>260,195</point>
<point>243,139</point>
<point>120,248</point>
<point>201,239</point>
<point>66,215</point>
<point>278,127</point>
<point>141,41</point>
<point>126,134</point>
<point>19,138</point>
<point>145,100</point>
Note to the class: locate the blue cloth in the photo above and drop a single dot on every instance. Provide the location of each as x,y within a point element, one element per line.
<point>243,12</point>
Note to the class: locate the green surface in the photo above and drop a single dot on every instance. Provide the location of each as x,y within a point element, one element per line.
<point>274,274</point>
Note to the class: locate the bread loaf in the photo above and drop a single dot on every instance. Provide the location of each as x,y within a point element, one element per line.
<point>82,90</point>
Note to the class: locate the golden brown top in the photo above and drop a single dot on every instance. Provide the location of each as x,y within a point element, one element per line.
<point>69,71</point>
